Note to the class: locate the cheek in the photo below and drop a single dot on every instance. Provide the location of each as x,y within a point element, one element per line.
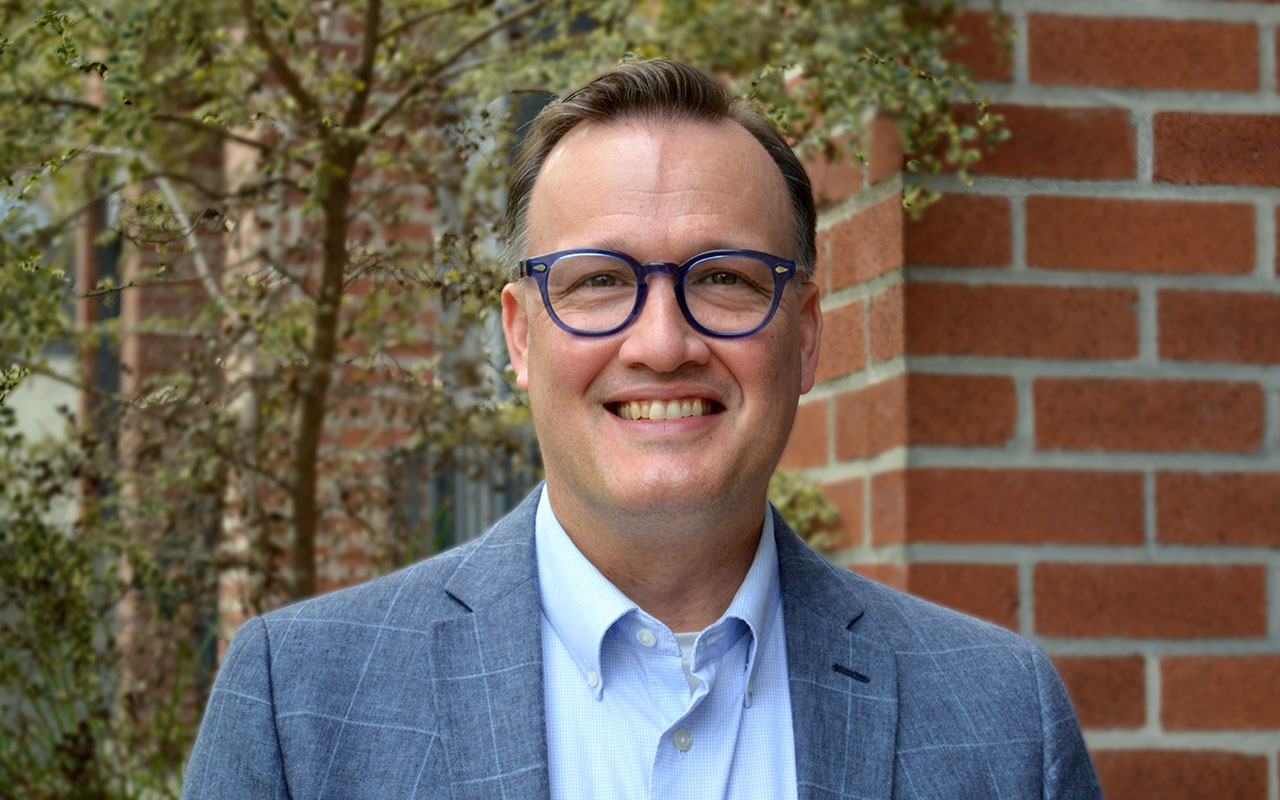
<point>562,366</point>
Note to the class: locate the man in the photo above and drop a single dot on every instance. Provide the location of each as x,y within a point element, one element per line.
<point>643,625</point>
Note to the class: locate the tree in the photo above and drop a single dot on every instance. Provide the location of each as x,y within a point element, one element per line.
<point>307,196</point>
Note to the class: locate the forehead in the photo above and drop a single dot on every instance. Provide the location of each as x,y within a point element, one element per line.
<point>671,186</point>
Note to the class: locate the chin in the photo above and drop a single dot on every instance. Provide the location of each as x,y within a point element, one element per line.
<point>666,498</point>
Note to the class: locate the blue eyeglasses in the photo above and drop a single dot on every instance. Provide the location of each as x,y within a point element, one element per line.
<point>724,293</point>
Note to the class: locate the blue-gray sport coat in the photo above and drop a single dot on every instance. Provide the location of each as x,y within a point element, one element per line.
<point>427,683</point>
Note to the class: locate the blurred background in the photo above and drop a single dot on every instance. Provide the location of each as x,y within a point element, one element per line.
<point>250,255</point>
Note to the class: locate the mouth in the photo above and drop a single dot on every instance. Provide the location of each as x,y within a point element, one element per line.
<point>665,408</point>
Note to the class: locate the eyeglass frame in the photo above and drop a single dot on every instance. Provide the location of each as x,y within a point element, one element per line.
<point>539,267</point>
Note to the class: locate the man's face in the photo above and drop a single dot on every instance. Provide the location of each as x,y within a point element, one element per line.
<point>661,191</point>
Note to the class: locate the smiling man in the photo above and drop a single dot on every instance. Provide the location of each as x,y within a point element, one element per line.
<point>644,624</point>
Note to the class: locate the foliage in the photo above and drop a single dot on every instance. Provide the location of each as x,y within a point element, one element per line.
<point>75,720</point>
<point>802,504</point>
<point>305,195</point>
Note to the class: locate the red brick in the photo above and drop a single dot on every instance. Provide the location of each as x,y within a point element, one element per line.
<point>1119,235</point>
<point>1023,506</point>
<point>1233,327</point>
<point>1107,691</point>
<point>1148,415</point>
<point>885,146</point>
<point>1143,53</point>
<point>1220,692</point>
<point>1067,143</point>
<point>888,325</point>
<point>961,230</point>
<point>871,420</point>
<point>973,44</point>
<point>807,446</point>
<point>1238,509</point>
<point>1180,775</point>
<point>822,270</point>
<point>844,341</point>
<point>359,437</point>
<point>868,244</point>
<point>1151,601</point>
<point>987,591</point>
<point>960,410</point>
<point>1240,149</point>
<point>1021,321</point>
<point>847,497</point>
<point>889,508</point>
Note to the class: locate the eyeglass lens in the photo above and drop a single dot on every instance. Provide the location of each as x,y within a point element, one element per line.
<point>595,292</point>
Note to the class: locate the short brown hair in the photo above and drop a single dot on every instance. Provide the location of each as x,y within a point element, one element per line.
<point>661,89</point>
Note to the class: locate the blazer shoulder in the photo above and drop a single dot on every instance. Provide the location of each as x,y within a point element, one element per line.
<point>443,586</point>
<point>903,621</point>
<point>897,620</point>
<point>417,589</point>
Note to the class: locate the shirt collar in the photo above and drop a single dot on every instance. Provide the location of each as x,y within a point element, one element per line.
<point>581,604</point>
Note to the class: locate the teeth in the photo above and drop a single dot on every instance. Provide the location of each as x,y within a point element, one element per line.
<point>664,409</point>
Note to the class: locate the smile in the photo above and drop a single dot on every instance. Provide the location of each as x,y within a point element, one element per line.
<point>675,408</point>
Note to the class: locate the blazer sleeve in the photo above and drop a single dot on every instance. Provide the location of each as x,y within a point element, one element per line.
<point>237,752</point>
<point>1068,772</point>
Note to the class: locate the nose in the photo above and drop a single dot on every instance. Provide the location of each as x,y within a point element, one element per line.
<point>661,338</point>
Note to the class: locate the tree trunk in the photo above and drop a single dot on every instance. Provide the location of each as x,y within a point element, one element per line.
<point>315,386</point>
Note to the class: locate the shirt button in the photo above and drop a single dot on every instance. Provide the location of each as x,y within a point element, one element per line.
<point>593,680</point>
<point>683,740</point>
<point>646,637</point>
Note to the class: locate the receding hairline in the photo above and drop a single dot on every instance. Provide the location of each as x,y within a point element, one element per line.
<point>656,121</point>
<point>655,89</point>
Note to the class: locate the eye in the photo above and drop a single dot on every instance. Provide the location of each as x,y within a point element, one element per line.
<point>723,278</point>
<point>601,280</point>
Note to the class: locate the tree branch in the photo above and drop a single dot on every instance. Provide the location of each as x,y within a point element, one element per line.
<point>216,130</point>
<point>129,285</point>
<point>292,84</point>
<point>241,463</point>
<point>364,72</point>
<point>161,116</point>
<point>45,233</point>
<point>248,191</point>
<point>37,369</point>
<point>205,274</point>
<point>439,66</point>
<point>61,102</point>
<point>405,24</point>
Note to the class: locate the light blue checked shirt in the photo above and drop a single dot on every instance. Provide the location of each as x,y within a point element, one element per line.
<point>626,718</point>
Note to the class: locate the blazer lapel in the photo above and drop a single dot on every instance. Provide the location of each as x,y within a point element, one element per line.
<point>486,669</point>
<point>844,685</point>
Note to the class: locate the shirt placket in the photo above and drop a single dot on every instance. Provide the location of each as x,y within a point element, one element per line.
<point>694,754</point>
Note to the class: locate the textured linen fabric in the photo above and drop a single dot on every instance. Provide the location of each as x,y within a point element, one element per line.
<point>621,716</point>
<point>427,683</point>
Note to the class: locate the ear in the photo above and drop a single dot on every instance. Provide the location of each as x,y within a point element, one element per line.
<point>810,334</point>
<point>515,327</point>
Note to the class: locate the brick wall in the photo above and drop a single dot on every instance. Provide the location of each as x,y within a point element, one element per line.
<point>1054,402</point>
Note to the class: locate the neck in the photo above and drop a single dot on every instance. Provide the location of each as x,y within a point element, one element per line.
<point>683,569</point>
